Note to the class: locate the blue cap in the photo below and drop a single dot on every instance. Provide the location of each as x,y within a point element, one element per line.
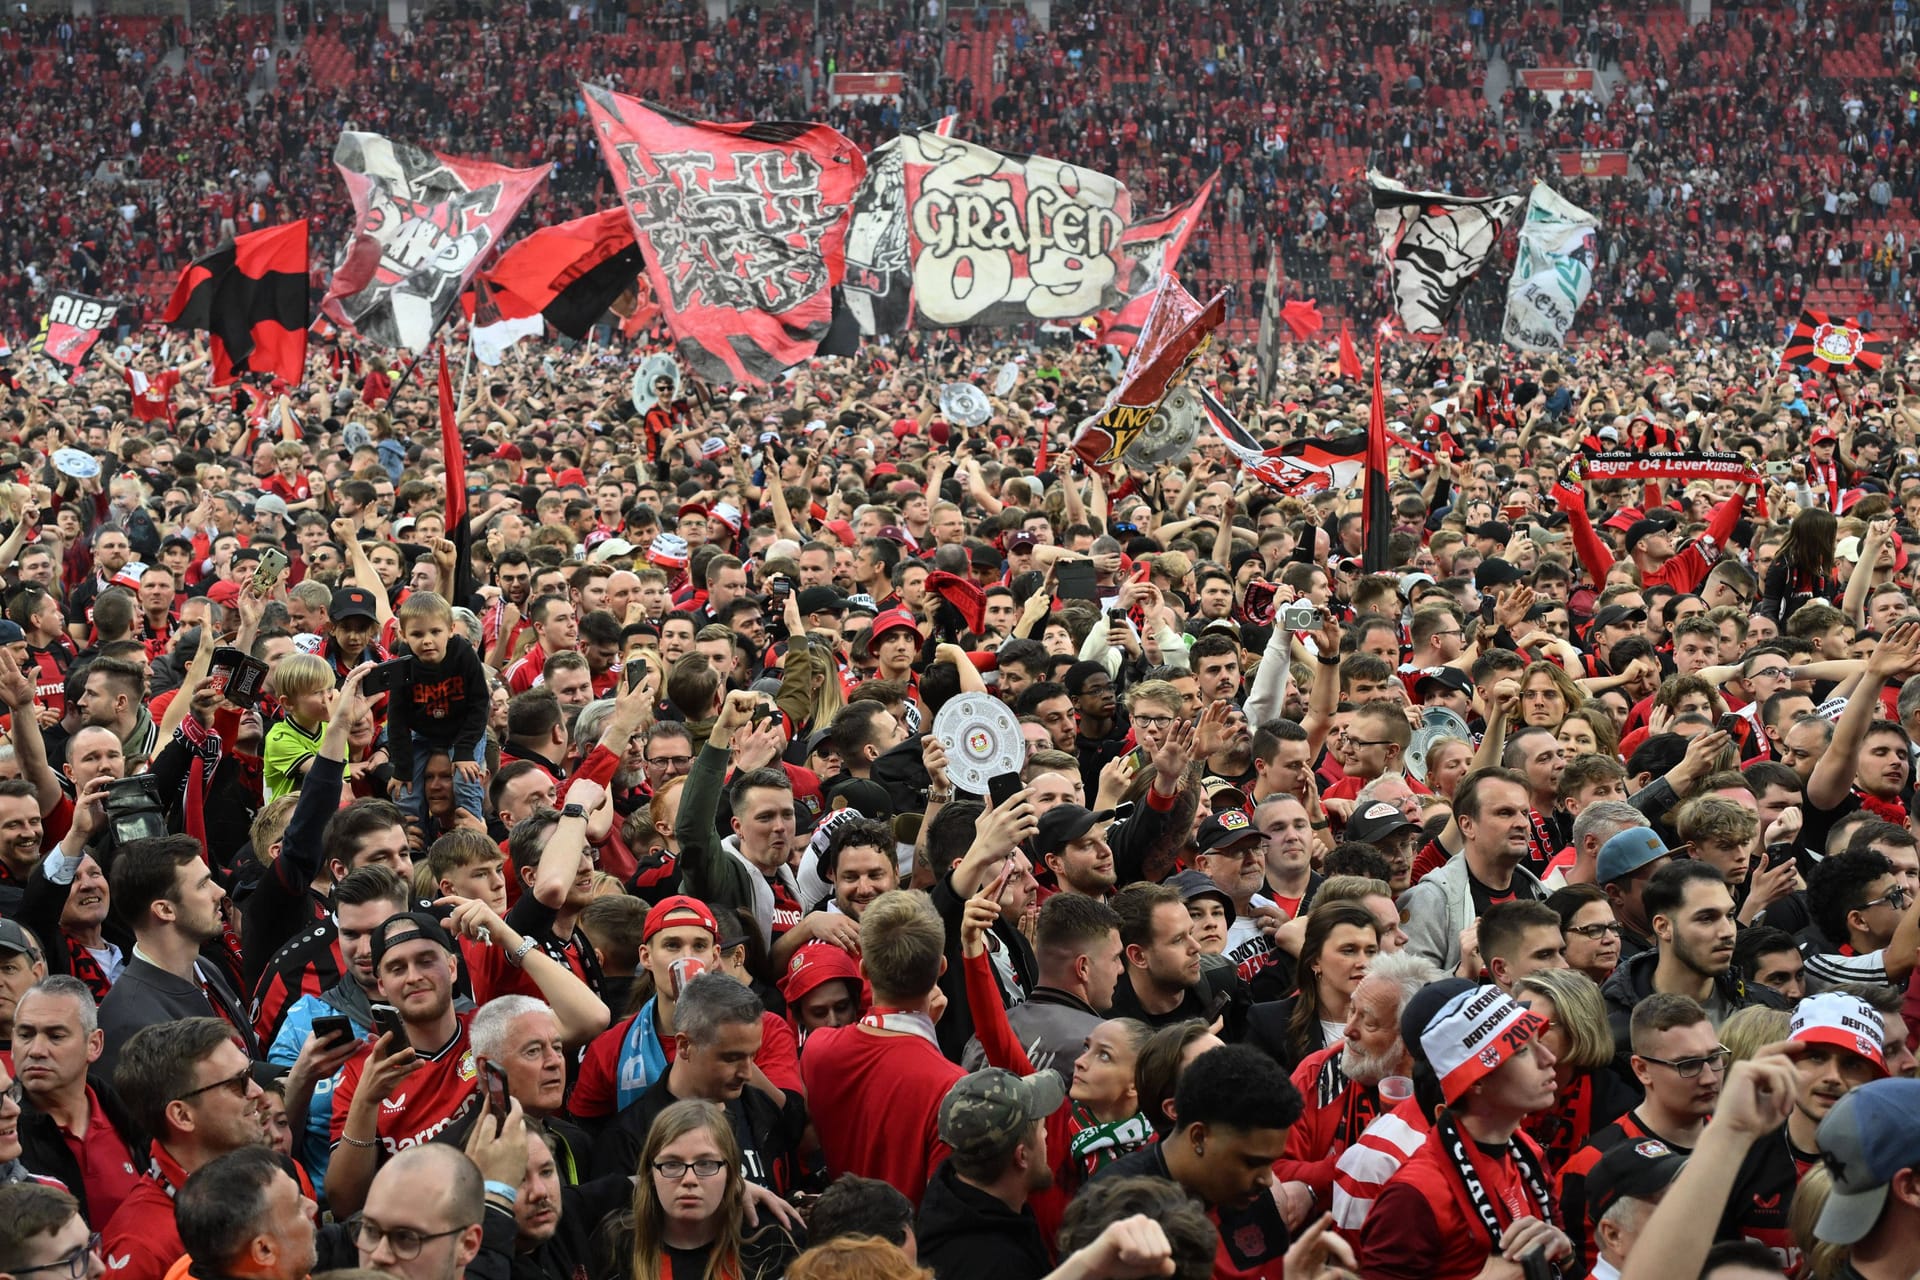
<point>1627,852</point>
<point>1869,1136</point>
<point>10,632</point>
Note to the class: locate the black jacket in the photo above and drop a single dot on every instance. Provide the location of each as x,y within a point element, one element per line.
<point>1632,982</point>
<point>147,994</point>
<point>45,1151</point>
<point>966,1234</point>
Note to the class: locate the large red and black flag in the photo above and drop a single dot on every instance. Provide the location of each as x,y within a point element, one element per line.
<point>250,297</point>
<point>743,227</point>
<point>73,324</point>
<point>1152,246</point>
<point>423,224</point>
<point>1374,514</point>
<point>571,273</point>
<point>1821,344</point>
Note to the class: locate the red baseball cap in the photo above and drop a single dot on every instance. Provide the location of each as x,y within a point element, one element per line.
<point>508,452</point>
<point>679,910</point>
<point>224,594</point>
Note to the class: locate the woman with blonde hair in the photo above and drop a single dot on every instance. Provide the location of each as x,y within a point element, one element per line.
<point>1752,1027</point>
<point>688,1217</point>
<point>1824,1259</point>
<point>1591,1096</point>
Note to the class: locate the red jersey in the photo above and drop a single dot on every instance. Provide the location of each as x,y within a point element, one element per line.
<point>875,1100</point>
<point>141,1241</point>
<point>595,1090</point>
<point>527,670</point>
<point>1421,1227</point>
<point>48,667</point>
<point>435,1095</point>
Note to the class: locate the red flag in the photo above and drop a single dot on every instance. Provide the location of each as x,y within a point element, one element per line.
<point>453,450</point>
<point>571,273</point>
<point>1303,317</point>
<point>1152,246</point>
<point>250,296</point>
<point>1349,358</point>
<point>743,228</point>
<point>423,222</point>
<point>1374,520</point>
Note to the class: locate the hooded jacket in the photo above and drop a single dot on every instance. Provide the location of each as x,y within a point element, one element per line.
<point>966,1234</point>
<point>1632,982</point>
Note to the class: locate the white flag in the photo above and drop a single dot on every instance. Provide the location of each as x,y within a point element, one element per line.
<point>1552,272</point>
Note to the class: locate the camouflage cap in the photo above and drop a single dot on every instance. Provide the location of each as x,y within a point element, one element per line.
<point>987,1113</point>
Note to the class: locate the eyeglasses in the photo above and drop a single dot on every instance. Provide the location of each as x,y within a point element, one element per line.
<point>1368,742</point>
<point>674,1170</point>
<point>676,762</point>
<point>241,1082</point>
<point>76,1264</point>
<point>1595,932</point>
<point>405,1242</point>
<point>1898,897</point>
<point>16,1093</point>
<point>1689,1068</point>
<point>1776,672</point>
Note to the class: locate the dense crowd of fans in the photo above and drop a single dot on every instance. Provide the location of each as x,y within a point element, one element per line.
<point>618,892</point>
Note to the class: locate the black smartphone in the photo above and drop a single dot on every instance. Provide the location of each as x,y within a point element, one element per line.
<point>1729,723</point>
<point>1003,787</point>
<point>386,1022</point>
<point>333,1028</point>
<point>494,1080</point>
<point>387,676</point>
<point>1076,580</point>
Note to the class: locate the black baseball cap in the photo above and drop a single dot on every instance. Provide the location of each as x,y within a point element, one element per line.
<point>1198,884</point>
<point>414,926</point>
<point>1638,1170</point>
<point>1446,678</point>
<point>1379,820</point>
<point>822,600</point>
<point>352,602</point>
<point>1226,829</point>
<point>1061,825</point>
<point>1495,572</point>
<point>1615,615</point>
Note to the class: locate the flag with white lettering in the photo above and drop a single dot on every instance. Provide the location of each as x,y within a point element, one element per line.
<point>1433,244</point>
<point>73,324</point>
<point>1009,239</point>
<point>423,224</point>
<point>1552,272</point>
<point>743,228</point>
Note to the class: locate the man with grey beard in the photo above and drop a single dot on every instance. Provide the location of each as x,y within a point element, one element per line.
<point>1341,1083</point>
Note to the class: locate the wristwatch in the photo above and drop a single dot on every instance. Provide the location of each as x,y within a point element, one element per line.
<point>573,811</point>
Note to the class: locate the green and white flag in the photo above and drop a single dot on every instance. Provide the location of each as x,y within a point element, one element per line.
<point>1552,272</point>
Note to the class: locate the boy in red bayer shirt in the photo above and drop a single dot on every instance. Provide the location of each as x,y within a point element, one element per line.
<point>875,1086</point>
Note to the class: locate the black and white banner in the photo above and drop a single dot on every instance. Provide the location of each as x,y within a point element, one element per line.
<point>1433,244</point>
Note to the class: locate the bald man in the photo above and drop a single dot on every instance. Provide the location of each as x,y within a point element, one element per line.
<point>435,1197</point>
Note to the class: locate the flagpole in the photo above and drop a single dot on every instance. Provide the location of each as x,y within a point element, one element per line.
<point>402,381</point>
